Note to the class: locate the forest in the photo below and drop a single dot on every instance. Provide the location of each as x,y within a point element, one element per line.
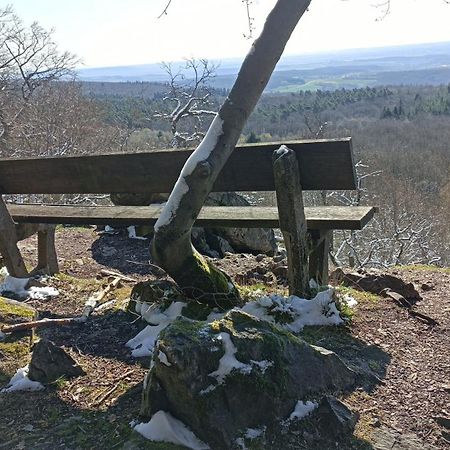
<point>400,137</point>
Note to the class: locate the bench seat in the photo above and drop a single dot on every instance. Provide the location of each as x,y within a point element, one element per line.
<point>317,218</point>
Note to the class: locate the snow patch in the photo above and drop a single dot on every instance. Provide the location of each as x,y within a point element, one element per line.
<point>349,301</point>
<point>181,188</point>
<point>302,409</point>
<point>228,362</point>
<point>144,342</point>
<point>299,312</point>
<point>163,427</point>
<point>132,233</point>
<point>163,358</point>
<point>253,433</point>
<point>17,286</point>
<point>21,382</point>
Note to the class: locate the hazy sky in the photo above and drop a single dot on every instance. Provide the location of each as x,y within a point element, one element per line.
<point>123,32</point>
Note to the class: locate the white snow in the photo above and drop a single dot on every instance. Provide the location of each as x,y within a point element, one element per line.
<point>228,362</point>
<point>350,301</point>
<point>303,409</point>
<point>21,382</point>
<point>253,433</point>
<point>144,342</point>
<point>321,310</point>
<point>132,233</point>
<point>262,365</point>
<point>2,336</point>
<point>181,188</point>
<point>18,287</point>
<point>165,428</point>
<point>163,358</point>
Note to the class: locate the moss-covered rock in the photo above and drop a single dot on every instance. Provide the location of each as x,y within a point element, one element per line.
<point>161,292</point>
<point>202,281</point>
<point>236,373</point>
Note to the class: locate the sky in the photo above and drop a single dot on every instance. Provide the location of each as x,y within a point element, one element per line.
<point>127,32</point>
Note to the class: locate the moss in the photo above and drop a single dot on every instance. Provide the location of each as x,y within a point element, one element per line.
<point>14,309</point>
<point>196,310</point>
<point>201,280</point>
<point>360,296</point>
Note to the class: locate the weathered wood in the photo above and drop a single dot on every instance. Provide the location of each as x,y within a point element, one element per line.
<point>324,164</point>
<point>47,258</point>
<point>292,219</point>
<point>8,244</point>
<point>318,257</point>
<point>321,217</point>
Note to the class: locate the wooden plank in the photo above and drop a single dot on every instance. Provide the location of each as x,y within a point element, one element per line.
<point>322,217</point>
<point>324,164</point>
<point>292,219</point>
<point>318,258</point>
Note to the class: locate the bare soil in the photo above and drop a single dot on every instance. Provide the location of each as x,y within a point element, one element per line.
<point>404,363</point>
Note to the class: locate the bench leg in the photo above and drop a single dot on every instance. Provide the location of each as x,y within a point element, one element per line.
<point>292,219</point>
<point>8,244</point>
<point>47,258</point>
<point>318,258</point>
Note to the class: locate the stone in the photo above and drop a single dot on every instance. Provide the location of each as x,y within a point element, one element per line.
<point>214,242</point>
<point>162,292</point>
<point>273,369</point>
<point>336,420</point>
<point>49,363</point>
<point>375,282</point>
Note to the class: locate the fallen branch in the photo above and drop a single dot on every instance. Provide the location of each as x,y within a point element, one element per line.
<point>39,323</point>
<point>110,273</point>
<point>91,304</point>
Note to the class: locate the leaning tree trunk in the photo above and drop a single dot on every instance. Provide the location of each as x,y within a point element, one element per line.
<point>172,248</point>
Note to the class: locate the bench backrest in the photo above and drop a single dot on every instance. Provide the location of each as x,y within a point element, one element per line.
<point>324,164</point>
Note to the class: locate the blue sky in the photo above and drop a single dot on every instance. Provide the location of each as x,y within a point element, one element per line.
<point>123,32</point>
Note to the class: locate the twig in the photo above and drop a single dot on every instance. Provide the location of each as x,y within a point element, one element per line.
<point>164,13</point>
<point>110,391</point>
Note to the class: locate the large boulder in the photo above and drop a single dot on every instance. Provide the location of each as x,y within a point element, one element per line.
<point>235,374</point>
<point>214,242</point>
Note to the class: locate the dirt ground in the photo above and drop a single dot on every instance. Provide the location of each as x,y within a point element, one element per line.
<point>404,363</point>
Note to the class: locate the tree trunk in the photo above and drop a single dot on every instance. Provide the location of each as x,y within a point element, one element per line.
<point>172,248</point>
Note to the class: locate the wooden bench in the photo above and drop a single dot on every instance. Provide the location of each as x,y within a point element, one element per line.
<point>321,165</point>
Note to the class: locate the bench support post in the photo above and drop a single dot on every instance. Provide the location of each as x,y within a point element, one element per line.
<point>8,244</point>
<point>292,219</point>
<point>318,258</point>
<point>47,258</point>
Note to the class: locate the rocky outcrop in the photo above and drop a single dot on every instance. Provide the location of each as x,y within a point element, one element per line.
<point>238,373</point>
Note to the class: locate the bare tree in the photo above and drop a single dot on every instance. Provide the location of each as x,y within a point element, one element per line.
<point>29,58</point>
<point>172,247</point>
<point>188,98</point>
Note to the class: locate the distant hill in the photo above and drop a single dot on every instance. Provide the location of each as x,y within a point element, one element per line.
<point>412,64</point>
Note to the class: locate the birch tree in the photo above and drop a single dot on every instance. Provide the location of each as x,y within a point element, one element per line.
<point>172,248</point>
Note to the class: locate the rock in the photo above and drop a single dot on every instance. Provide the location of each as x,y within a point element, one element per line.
<point>49,363</point>
<point>427,287</point>
<point>130,199</point>
<point>336,420</point>
<point>375,282</point>
<point>216,241</point>
<point>156,291</point>
<point>384,438</point>
<point>273,369</point>
<point>280,271</point>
